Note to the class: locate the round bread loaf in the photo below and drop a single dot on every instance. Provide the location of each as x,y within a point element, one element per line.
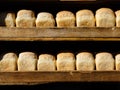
<point>65,19</point>
<point>85,18</point>
<point>105,17</point>
<point>46,62</point>
<point>45,19</point>
<point>65,61</point>
<point>25,19</point>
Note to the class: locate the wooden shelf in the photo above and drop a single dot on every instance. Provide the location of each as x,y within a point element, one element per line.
<point>39,77</point>
<point>59,34</point>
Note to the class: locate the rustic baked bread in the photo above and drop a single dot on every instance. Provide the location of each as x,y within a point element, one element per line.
<point>45,19</point>
<point>25,18</point>
<point>117,61</point>
<point>85,18</point>
<point>65,19</point>
<point>65,61</point>
<point>104,61</point>
<point>105,17</point>
<point>10,20</point>
<point>117,13</point>
<point>27,61</point>
<point>85,61</point>
<point>9,62</point>
<point>46,62</point>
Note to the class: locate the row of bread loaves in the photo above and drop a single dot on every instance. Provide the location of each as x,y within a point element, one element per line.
<point>28,61</point>
<point>104,17</point>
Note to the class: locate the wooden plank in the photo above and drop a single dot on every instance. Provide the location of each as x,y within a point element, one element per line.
<point>58,76</point>
<point>58,32</point>
<point>51,34</point>
<point>59,39</point>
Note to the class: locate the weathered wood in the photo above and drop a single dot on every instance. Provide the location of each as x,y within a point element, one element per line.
<point>51,34</point>
<point>59,39</point>
<point>58,76</point>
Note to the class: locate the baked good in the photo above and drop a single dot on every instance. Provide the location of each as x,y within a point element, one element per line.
<point>9,62</point>
<point>85,18</point>
<point>105,17</point>
<point>117,61</point>
<point>65,19</point>
<point>46,62</point>
<point>85,61</point>
<point>27,61</point>
<point>10,20</point>
<point>104,61</point>
<point>117,13</point>
<point>45,19</point>
<point>65,61</point>
<point>25,18</point>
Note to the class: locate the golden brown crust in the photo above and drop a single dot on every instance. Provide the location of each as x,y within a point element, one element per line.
<point>65,61</point>
<point>105,17</point>
<point>101,54</point>
<point>104,61</point>
<point>44,15</point>
<point>117,12</point>
<point>85,18</point>
<point>45,19</point>
<point>27,61</point>
<point>46,56</point>
<point>9,62</point>
<point>62,14</point>
<point>8,55</point>
<point>24,12</point>
<point>84,12</point>
<point>85,61</point>
<point>104,10</point>
<point>26,53</point>
<point>10,19</point>
<point>66,54</point>
<point>84,53</point>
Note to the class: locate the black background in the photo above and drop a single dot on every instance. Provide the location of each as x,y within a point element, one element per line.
<point>55,47</point>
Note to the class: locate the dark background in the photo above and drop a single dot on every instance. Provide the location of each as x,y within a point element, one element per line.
<point>55,47</point>
<point>67,86</point>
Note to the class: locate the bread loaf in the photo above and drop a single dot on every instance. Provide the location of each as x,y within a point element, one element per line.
<point>46,62</point>
<point>10,20</point>
<point>65,61</point>
<point>25,19</point>
<point>117,62</point>
<point>65,19</point>
<point>117,13</point>
<point>105,17</point>
<point>9,62</point>
<point>85,18</point>
<point>45,19</point>
<point>85,61</point>
<point>104,61</point>
<point>27,61</point>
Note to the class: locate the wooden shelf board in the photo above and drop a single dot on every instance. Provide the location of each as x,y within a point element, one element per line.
<point>39,77</point>
<point>59,34</point>
<point>59,39</point>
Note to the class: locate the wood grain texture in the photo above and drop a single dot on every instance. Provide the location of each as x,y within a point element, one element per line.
<point>37,77</point>
<point>59,34</point>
